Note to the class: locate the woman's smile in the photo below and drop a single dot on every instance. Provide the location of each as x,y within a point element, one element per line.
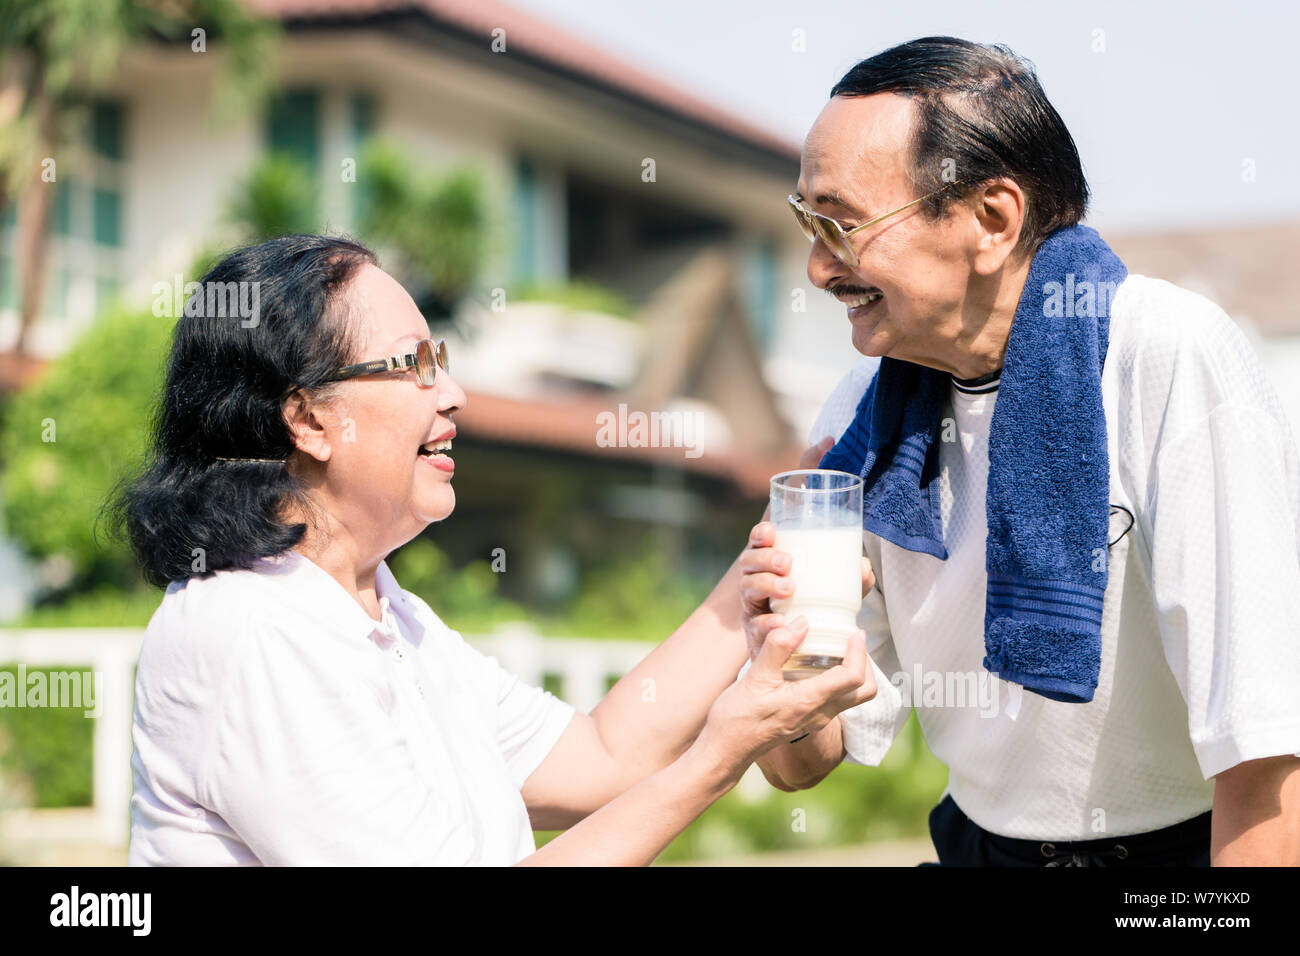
<point>433,452</point>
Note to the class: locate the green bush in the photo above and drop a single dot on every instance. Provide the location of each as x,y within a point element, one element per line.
<point>105,606</point>
<point>45,752</point>
<point>853,805</point>
<point>465,598</point>
<point>67,440</point>
<point>276,198</point>
<point>578,294</point>
<point>638,598</point>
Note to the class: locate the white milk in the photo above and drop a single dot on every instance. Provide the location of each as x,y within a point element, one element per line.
<point>827,576</point>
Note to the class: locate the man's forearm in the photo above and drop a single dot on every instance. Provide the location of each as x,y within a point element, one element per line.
<point>799,766</point>
<point>657,709</point>
<point>1256,819</point>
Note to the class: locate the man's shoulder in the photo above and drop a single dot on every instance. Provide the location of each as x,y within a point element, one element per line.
<point>1151,318</point>
<point>1182,354</point>
<point>1155,309</point>
<point>1165,329</point>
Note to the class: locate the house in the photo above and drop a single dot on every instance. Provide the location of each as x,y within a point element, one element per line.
<point>597,171</point>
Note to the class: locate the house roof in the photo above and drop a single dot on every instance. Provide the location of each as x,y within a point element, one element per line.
<point>1249,271</point>
<point>549,45</point>
<point>18,372</point>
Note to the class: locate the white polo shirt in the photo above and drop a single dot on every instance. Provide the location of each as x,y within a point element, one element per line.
<point>1200,662</point>
<point>277,723</point>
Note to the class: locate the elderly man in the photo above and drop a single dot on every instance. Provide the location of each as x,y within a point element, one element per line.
<point>1080,493</point>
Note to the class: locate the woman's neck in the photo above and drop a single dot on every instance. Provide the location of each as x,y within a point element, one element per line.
<point>339,554</point>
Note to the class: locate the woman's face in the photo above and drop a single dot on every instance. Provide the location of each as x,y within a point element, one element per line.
<point>377,481</point>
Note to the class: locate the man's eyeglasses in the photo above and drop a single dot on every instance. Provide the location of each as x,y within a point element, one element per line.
<point>426,360</point>
<point>816,226</point>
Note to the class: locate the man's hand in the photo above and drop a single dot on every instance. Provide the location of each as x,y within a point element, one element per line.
<point>765,570</point>
<point>765,575</point>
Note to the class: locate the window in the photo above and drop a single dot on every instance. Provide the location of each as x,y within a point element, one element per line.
<point>87,229</point>
<point>361,126</point>
<point>761,292</point>
<point>525,220</point>
<point>293,127</point>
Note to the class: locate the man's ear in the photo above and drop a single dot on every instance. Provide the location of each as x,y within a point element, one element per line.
<point>307,426</point>
<point>999,209</point>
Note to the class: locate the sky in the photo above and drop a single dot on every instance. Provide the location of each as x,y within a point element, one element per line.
<point>1183,112</point>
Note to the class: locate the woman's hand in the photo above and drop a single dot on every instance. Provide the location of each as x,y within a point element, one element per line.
<point>763,708</point>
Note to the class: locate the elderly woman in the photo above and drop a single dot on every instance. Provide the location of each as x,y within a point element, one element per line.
<point>294,705</point>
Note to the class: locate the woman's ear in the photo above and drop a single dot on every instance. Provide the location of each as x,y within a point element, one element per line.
<point>307,425</point>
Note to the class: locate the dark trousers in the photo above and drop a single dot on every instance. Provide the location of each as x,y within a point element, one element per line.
<point>962,842</point>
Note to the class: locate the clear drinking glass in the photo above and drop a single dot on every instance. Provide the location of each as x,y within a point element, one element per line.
<point>818,518</point>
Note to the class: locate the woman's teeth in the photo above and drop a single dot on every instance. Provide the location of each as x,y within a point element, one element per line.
<point>434,447</point>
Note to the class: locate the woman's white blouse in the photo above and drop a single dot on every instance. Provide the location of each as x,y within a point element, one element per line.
<point>277,723</point>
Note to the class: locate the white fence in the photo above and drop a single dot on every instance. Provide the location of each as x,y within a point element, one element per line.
<point>582,667</point>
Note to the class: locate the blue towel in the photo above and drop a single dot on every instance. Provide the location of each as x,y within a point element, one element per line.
<point>1048,498</point>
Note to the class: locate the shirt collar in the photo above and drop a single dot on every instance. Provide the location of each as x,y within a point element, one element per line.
<point>312,585</point>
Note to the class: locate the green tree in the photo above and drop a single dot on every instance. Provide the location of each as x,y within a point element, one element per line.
<point>435,224</point>
<point>54,54</point>
<point>277,198</point>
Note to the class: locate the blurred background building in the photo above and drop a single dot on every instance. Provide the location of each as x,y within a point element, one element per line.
<point>595,175</point>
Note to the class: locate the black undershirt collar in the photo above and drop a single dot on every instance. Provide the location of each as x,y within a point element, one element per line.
<point>984,383</point>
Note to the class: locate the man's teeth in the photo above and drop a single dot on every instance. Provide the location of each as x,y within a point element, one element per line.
<point>863,300</point>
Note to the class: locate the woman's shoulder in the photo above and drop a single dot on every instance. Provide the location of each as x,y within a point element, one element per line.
<point>218,600</point>
<point>204,620</point>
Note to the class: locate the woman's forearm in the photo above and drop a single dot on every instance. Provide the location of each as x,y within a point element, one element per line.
<point>634,828</point>
<point>651,716</point>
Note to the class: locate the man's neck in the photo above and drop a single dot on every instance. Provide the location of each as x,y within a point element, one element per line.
<point>991,315</point>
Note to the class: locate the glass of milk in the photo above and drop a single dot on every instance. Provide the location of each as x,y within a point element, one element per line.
<point>818,518</point>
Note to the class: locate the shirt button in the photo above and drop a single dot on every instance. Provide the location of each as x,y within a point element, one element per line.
<point>397,652</point>
<point>420,689</point>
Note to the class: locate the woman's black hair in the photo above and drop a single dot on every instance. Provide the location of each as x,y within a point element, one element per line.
<point>981,115</point>
<point>190,512</point>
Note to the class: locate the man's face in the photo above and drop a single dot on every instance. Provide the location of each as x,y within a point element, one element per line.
<point>854,168</point>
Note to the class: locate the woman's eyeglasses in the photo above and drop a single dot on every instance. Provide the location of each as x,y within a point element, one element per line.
<point>816,226</point>
<point>429,356</point>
